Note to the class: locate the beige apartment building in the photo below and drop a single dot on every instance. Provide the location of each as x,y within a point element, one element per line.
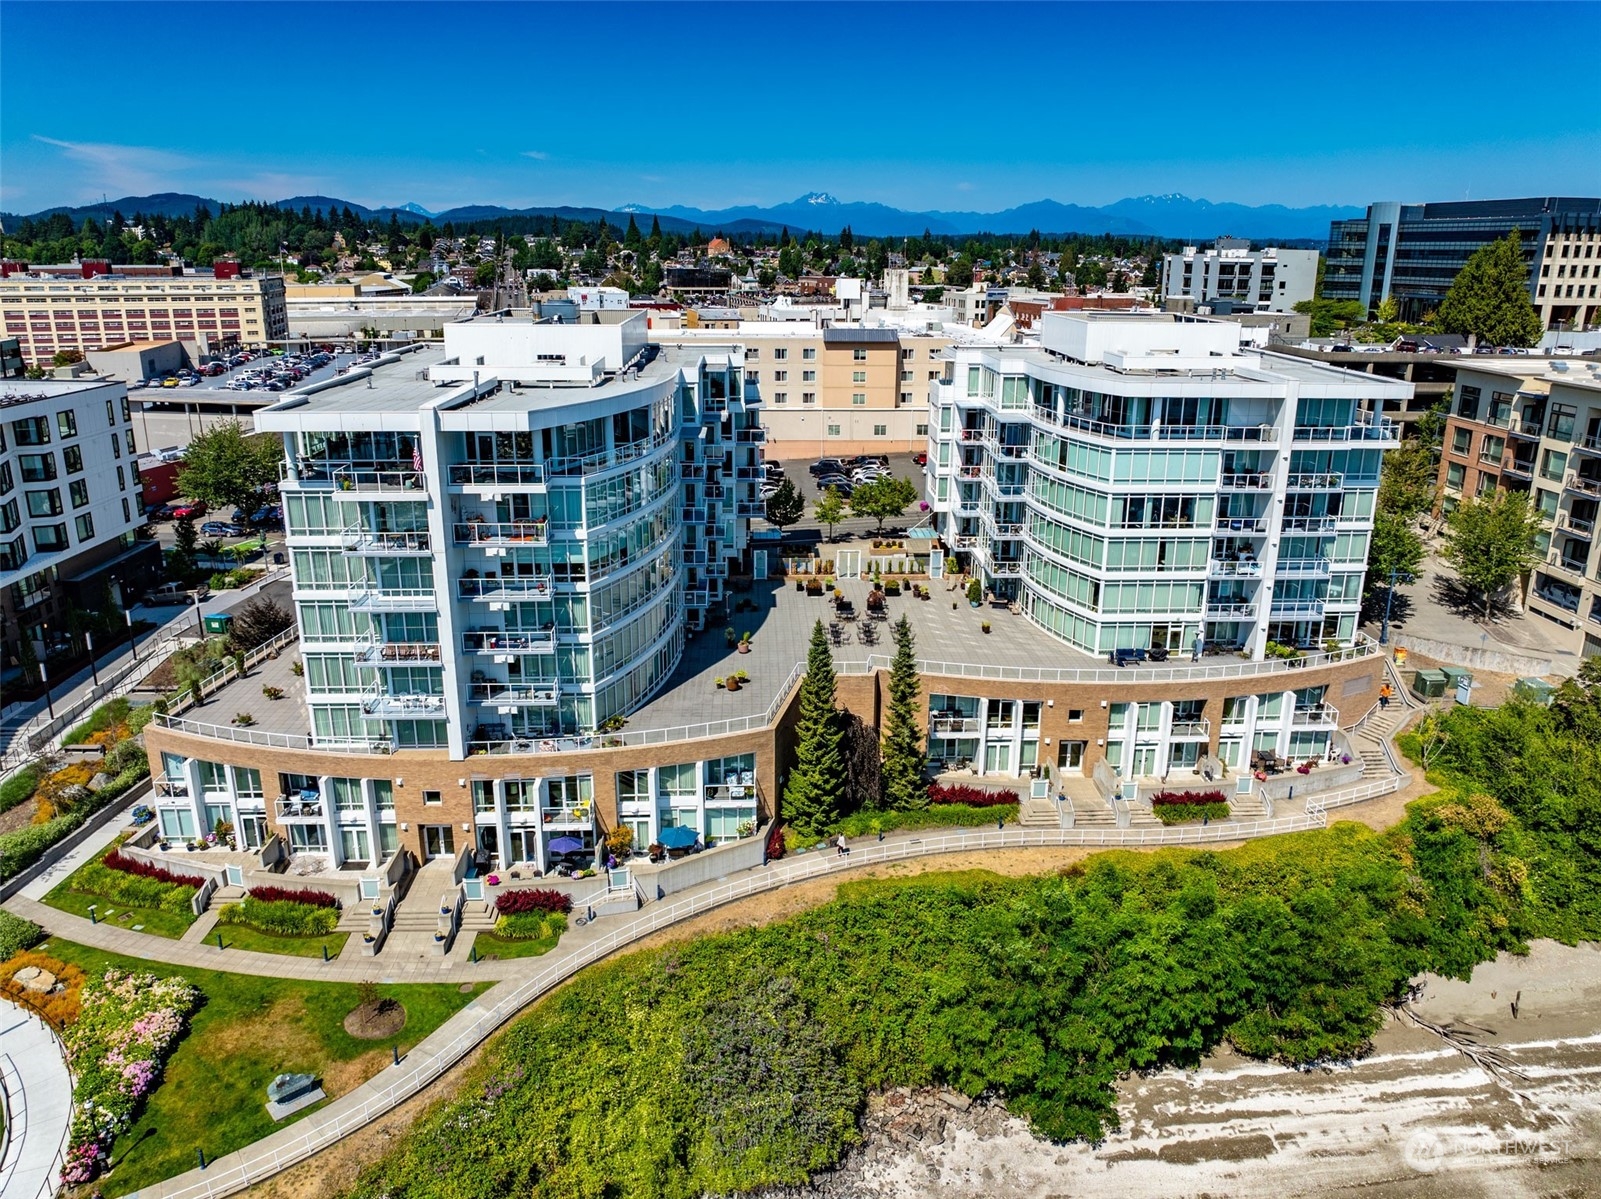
<point>48,310</point>
<point>1568,292</point>
<point>1533,425</point>
<point>848,389</point>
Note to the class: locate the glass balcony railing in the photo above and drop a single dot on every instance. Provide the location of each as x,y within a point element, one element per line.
<point>397,653</point>
<point>499,474</point>
<point>541,695</point>
<point>497,642</point>
<point>376,599</point>
<point>518,532</point>
<point>365,542</point>
<point>500,587</point>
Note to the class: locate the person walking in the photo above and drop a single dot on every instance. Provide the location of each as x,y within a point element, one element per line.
<point>1195,650</point>
<point>1385,695</point>
<point>840,846</point>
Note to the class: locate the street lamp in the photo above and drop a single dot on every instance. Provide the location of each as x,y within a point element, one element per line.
<point>89,640</point>
<point>44,677</point>
<point>1389,596</point>
<point>127,615</point>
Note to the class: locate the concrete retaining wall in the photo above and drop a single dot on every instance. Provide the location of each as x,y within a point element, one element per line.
<point>1497,660</point>
<point>704,866</point>
<point>113,811</point>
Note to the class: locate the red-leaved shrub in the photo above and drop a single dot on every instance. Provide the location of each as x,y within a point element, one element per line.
<point>1186,798</point>
<point>118,860</point>
<point>317,899</point>
<point>973,797</point>
<point>533,899</point>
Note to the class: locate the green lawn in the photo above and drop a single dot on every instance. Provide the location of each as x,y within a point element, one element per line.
<point>489,945</point>
<point>64,897</point>
<point>249,1029</point>
<point>239,936</point>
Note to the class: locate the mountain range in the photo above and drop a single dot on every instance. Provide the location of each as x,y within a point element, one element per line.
<point>1172,216</point>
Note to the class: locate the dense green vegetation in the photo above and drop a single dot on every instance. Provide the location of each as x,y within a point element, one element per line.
<point>746,1059</point>
<point>17,934</point>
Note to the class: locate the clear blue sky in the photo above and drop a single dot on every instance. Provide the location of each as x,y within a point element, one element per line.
<point>924,106</point>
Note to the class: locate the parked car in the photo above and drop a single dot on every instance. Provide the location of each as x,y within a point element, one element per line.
<point>920,459</point>
<point>188,509</point>
<point>176,593</point>
<point>839,483</point>
<point>221,528</point>
<point>827,466</point>
<point>866,474</point>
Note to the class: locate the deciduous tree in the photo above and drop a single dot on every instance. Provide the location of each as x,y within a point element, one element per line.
<point>830,510</point>
<point>786,505</point>
<point>883,498</point>
<point>228,469</point>
<point>1490,541</point>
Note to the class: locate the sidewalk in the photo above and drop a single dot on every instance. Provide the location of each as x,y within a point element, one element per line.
<point>38,1096</point>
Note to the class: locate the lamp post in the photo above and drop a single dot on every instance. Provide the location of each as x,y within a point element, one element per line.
<point>127,615</point>
<point>89,641</point>
<point>1389,595</point>
<point>44,675</point>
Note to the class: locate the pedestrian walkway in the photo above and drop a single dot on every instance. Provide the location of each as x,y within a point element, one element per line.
<point>52,875</point>
<point>38,1105</point>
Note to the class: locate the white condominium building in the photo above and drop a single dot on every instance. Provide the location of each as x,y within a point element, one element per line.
<point>511,540</point>
<point>1139,482</point>
<point>1269,280</point>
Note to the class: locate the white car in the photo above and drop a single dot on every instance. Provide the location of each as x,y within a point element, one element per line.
<point>866,474</point>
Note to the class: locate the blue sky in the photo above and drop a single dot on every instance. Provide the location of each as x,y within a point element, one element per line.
<point>924,106</point>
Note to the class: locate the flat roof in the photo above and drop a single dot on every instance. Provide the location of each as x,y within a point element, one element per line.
<point>23,391</point>
<point>396,383</point>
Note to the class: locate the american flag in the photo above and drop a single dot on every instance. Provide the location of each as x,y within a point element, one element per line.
<point>416,456</point>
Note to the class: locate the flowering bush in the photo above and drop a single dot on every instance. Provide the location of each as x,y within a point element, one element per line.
<point>134,890</point>
<point>127,1025</point>
<point>117,860</point>
<point>317,899</point>
<point>1162,798</point>
<point>533,899</point>
<point>1177,807</point>
<point>973,797</point>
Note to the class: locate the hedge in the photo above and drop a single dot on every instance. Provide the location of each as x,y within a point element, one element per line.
<point>973,797</point>
<point>282,917</point>
<point>955,815</point>
<point>1188,813</point>
<point>19,788</point>
<point>531,926</point>
<point>21,849</point>
<point>532,899</point>
<point>17,934</point>
<point>133,890</point>
<point>117,860</point>
<point>316,899</point>
<point>1182,798</point>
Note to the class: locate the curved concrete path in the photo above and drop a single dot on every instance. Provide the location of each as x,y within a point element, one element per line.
<point>525,980</point>
<point>38,1099</point>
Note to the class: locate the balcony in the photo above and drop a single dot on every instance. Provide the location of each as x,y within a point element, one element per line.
<point>1578,526</point>
<point>504,588</point>
<point>1231,608</point>
<point>398,653</point>
<point>501,475</point>
<point>373,599</point>
<point>306,806</point>
<point>751,508</point>
<point>1316,567</point>
<point>349,478</point>
<point>1319,716</point>
<point>1518,466</point>
<point>694,516</point>
<point>519,532</point>
<point>171,788</point>
<point>1256,434</point>
<point>367,544</point>
<point>1240,524</point>
<point>385,706</point>
<point>1006,568</point>
<point>1248,481</point>
<point>1245,569</point>
<point>1566,564</point>
<point>1308,524</point>
<point>753,436</point>
<point>1365,428</point>
<point>1588,445</point>
<point>1296,607</point>
<point>1523,427</point>
<point>513,695</point>
<point>1191,730</point>
<point>1583,484</point>
<point>947,724</point>
<point>573,817</point>
<point>504,645</point>
<point>1316,482</point>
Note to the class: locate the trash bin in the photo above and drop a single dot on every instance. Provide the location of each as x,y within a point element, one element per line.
<point>1430,684</point>
<point>220,623</point>
<point>278,559</point>
<point>1534,690</point>
<point>1454,676</point>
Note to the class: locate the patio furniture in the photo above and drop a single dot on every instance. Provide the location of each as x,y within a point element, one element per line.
<point>1122,657</point>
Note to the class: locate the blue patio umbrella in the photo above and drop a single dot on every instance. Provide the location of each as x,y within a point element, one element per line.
<point>566,845</point>
<point>679,837</point>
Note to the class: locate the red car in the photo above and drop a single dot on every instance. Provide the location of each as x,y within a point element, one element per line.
<point>188,509</point>
<point>920,459</point>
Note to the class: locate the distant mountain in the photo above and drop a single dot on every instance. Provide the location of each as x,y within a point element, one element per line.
<point>1173,216</point>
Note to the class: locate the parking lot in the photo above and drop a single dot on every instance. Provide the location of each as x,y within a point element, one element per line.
<point>807,530</point>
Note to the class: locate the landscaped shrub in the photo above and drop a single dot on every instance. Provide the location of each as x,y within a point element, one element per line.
<point>134,890</point>
<point>22,848</point>
<point>117,860</point>
<point>104,719</point>
<point>281,917</point>
<point>533,899</point>
<point>953,815</point>
<point>17,934</point>
<point>19,787</point>
<point>126,1027</point>
<point>529,926</point>
<point>316,899</point>
<point>1181,807</point>
<point>973,797</point>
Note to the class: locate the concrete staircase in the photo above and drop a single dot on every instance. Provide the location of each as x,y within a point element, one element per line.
<point>1092,813</point>
<point>224,895</point>
<point>1247,807</point>
<point>1038,813</point>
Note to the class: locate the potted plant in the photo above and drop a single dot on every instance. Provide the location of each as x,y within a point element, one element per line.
<point>273,692</point>
<point>730,636</point>
<point>744,643</point>
<point>731,683</point>
<point>975,593</point>
<point>985,626</point>
<point>742,677</point>
<point>718,682</point>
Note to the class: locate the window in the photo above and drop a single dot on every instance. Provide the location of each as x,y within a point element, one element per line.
<point>753,355</point>
<point>1467,403</point>
<point>858,355</point>
<point>780,354</point>
<point>780,397</point>
<point>808,397</point>
<point>1455,472</point>
<point>67,423</point>
<point>880,430</point>
<point>1490,448</point>
<point>809,354</point>
<point>858,398</point>
<point>44,503</point>
<point>858,376</point>
<point>432,797</point>
<point>833,430</point>
<point>808,376</point>
<point>80,492</point>
<point>1075,715</point>
<point>780,376</point>
<point>86,527</point>
<point>37,468</point>
<point>47,538</point>
<point>73,457</point>
<point>922,430</point>
<point>116,446</point>
<point>1461,441</point>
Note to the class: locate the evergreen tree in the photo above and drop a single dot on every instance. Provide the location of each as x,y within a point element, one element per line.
<point>786,505</point>
<point>1489,301</point>
<point>904,740</point>
<point>631,235</point>
<point>816,780</point>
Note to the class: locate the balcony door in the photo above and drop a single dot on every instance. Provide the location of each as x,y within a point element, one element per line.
<point>438,841</point>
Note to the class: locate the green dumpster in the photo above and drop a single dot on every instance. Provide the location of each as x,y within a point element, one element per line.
<point>219,622</point>
<point>1534,690</point>
<point>1453,676</point>
<point>1430,684</point>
